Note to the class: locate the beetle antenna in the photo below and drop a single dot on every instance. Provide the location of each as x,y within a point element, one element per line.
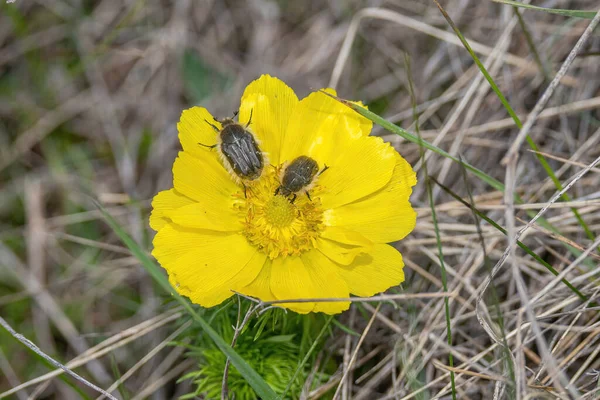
<point>324,169</point>
<point>213,126</point>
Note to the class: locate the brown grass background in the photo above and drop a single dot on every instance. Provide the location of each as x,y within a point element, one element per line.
<point>90,93</point>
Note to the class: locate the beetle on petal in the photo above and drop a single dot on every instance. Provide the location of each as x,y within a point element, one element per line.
<point>299,176</point>
<point>239,150</point>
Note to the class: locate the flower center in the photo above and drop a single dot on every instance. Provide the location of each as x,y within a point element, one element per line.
<point>273,223</point>
<point>279,212</point>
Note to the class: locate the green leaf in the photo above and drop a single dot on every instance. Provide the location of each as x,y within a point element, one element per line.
<point>279,339</point>
<point>567,13</point>
<point>345,328</point>
<point>256,381</point>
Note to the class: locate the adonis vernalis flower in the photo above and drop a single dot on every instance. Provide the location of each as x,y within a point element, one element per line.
<point>217,235</point>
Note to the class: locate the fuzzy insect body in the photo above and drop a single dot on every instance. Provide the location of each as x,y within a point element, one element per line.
<point>298,176</point>
<point>239,150</point>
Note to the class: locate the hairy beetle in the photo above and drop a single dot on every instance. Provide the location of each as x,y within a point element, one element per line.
<point>239,148</point>
<point>299,176</point>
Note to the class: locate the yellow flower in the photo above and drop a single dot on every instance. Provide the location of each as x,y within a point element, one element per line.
<point>214,239</point>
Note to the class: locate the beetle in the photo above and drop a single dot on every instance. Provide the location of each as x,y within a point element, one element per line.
<point>239,148</point>
<point>299,176</point>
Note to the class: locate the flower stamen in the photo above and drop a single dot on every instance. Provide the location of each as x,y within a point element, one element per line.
<point>279,212</point>
<point>275,225</point>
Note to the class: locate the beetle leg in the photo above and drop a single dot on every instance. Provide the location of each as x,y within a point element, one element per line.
<point>244,185</point>
<point>250,119</point>
<point>308,195</point>
<point>210,147</point>
<point>213,126</point>
<point>293,199</point>
<point>324,169</point>
<point>277,190</point>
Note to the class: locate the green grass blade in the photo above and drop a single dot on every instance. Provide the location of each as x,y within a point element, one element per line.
<point>487,76</point>
<point>482,175</point>
<point>312,348</point>
<point>344,328</point>
<point>438,238</point>
<point>531,44</point>
<point>496,184</point>
<point>519,243</point>
<point>256,381</point>
<point>515,118</point>
<point>415,139</point>
<point>566,13</point>
<point>487,262</point>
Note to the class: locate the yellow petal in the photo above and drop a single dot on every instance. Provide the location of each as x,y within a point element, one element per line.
<point>373,272</point>
<point>193,130</point>
<point>342,254</point>
<point>164,202</point>
<point>260,287</point>
<point>250,272</point>
<point>327,282</point>
<point>365,165</point>
<point>366,125</point>
<point>207,215</point>
<point>247,274</point>
<point>311,275</point>
<point>291,280</point>
<point>319,127</point>
<point>206,266</point>
<point>345,236</point>
<point>203,180</point>
<point>272,103</point>
<point>384,216</point>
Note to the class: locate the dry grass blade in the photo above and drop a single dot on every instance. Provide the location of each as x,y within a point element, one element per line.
<point>355,352</point>
<point>29,344</point>
<point>147,357</point>
<point>107,346</point>
<point>392,16</point>
<point>541,104</point>
<point>510,160</point>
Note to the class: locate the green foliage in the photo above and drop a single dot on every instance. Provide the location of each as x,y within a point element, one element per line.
<point>200,79</point>
<point>274,358</point>
<point>273,344</point>
<point>253,378</point>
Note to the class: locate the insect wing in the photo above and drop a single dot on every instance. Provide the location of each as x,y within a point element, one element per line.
<point>241,150</point>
